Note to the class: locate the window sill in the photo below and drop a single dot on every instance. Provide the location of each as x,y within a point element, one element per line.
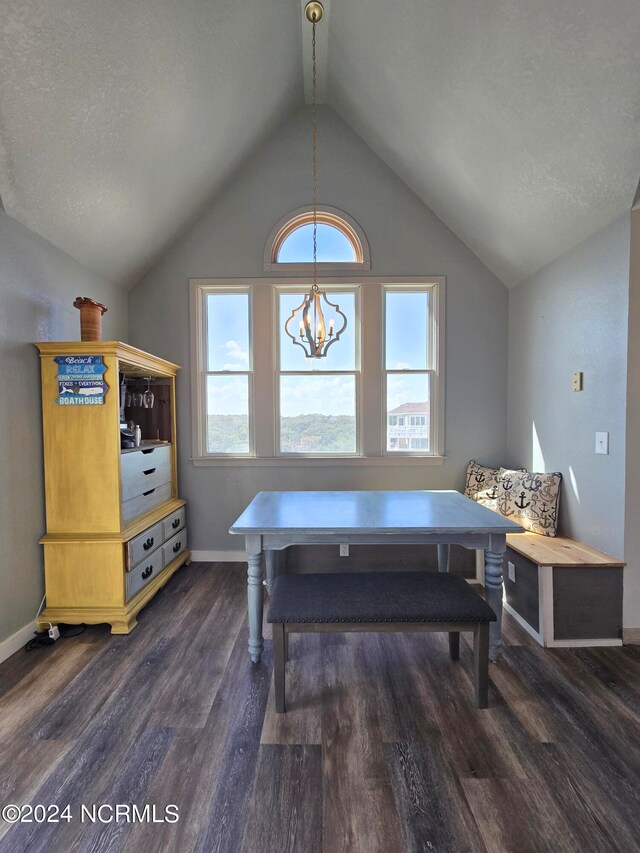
<point>316,461</point>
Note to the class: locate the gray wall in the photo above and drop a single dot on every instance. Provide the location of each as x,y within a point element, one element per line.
<point>38,284</point>
<point>405,238</point>
<point>632,502</point>
<point>572,316</point>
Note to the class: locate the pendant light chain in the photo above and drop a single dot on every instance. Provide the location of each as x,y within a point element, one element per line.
<point>312,333</point>
<point>314,144</point>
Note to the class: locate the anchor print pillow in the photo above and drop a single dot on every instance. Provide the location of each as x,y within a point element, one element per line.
<point>530,499</point>
<point>482,484</point>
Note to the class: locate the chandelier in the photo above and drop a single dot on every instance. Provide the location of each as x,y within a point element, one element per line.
<point>313,334</point>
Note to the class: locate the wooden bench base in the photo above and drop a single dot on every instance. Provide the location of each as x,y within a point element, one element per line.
<point>480,630</point>
<point>562,592</point>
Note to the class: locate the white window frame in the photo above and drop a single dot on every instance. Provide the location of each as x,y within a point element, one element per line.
<point>370,384</point>
<point>333,291</point>
<point>434,369</point>
<point>203,372</point>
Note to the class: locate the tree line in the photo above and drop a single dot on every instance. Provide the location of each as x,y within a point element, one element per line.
<point>299,434</point>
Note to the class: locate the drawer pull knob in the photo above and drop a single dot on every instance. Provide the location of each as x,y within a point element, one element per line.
<point>146,494</point>
<point>147,573</point>
<point>149,543</point>
<point>175,523</point>
<point>177,547</point>
<point>150,471</point>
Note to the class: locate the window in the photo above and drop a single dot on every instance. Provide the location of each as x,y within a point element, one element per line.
<point>377,397</point>
<point>342,244</point>
<point>333,245</point>
<point>228,372</point>
<point>318,399</point>
<point>410,367</point>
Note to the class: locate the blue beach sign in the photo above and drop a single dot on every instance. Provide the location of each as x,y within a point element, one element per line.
<point>80,380</point>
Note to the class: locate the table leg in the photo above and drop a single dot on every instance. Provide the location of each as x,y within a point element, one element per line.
<point>255,597</point>
<point>493,595</point>
<point>443,557</point>
<point>270,560</point>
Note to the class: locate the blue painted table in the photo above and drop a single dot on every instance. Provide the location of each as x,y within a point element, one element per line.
<point>275,520</point>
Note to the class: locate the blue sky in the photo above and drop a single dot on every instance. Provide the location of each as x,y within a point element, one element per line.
<point>228,334</point>
<point>332,245</point>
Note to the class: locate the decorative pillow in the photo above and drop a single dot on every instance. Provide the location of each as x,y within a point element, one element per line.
<point>531,500</point>
<point>482,484</point>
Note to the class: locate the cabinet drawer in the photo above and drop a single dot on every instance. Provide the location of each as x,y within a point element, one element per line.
<point>144,545</point>
<point>143,573</point>
<point>144,458</point>
<point>176,545</point>
<point>143,481</point>
<point>144,503</point>
<point>174,523</point>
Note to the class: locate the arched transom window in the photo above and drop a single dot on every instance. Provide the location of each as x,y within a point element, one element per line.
<point>340,240</point>
<point>333,245</point>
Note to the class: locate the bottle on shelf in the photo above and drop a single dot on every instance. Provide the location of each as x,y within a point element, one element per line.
<point>137,435</point>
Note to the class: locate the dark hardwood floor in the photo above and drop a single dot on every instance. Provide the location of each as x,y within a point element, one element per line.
<point>381,748</point>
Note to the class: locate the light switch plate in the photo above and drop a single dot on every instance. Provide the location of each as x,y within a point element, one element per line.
<point>576,381</point>
<point>602,443</point>
<point>511,572</point>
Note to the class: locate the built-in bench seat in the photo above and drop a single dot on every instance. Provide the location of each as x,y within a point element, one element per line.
<point>379,601</point>
<point>563,592</point>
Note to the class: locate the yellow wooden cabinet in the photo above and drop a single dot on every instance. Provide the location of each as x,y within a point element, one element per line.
<point>116,528</point>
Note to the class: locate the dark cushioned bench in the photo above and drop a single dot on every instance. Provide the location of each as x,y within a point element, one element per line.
<point>379,601</point>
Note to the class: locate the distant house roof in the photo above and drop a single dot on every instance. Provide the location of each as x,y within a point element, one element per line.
<point>409,409</point>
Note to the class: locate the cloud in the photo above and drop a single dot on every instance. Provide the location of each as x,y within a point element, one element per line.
<point>327,395</point>
<point>237,358</point>
<point>406,389</point>
<point>227,395</point>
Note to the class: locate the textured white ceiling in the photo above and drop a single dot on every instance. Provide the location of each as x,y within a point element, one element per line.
<point>515,121</point>
<point>119,119</point>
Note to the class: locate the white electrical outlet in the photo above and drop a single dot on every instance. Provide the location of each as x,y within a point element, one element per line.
<point>511,572</point>
<point>344,550</point>
<point>54,632</point>
<point>602,443</point>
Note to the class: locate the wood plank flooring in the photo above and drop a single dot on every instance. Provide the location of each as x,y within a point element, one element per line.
<point>381,749</point>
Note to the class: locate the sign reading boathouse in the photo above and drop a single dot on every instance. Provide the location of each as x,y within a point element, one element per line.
<point>80,380</point>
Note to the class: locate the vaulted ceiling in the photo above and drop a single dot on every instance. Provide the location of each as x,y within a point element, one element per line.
<point>516,122</point>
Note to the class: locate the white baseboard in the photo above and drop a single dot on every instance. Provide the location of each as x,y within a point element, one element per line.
<point>583,644</point>
<point>560,644</point>
<point>241,557</point>
<point>218,556</point>
<point>16,641</point>
<point>631,636</point>
<point>522,622</point>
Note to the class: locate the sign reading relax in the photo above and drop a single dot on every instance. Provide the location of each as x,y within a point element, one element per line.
<point>80,380</point>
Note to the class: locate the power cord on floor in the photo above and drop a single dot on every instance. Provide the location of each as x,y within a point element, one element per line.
<point>67,632</point>
<point>52,634</point>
